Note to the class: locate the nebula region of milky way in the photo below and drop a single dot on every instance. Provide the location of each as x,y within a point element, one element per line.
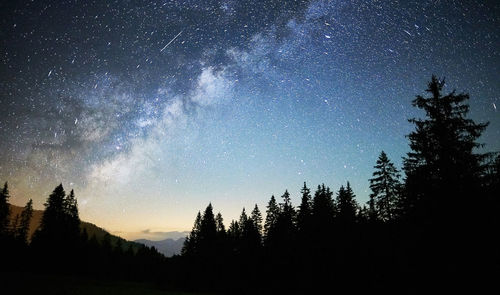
<point>152,109</point>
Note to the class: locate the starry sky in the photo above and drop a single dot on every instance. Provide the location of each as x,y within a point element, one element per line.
<point>152,109</point>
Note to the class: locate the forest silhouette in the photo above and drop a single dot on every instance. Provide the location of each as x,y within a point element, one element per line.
<point>432,226</point>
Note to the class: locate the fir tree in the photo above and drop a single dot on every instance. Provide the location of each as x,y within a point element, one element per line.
<point>272,215</point>
<point>250,236</point>
<point>442,169</point>
<point>72,217</point>
<point>4,209</point>
<point>324,210</point>
<point>243,218</point>
<point>287,217</point>
<point>347,205</point>
<point>305,211</point>
<point>53,223</point>
<point>24,226</point>
<point>219,225</point>
<point>256,217</point>
<point>190,246</point>
<point>208,228</point>
<point>385,188</point>
<point>234,231</point>
<point>372,211</point>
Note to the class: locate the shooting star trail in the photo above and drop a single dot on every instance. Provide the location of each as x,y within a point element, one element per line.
<point>171,41</point>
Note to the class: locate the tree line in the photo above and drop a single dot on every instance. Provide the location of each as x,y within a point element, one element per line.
<point>60,245</point>
<point>428,225</point>
<point>431,227</point>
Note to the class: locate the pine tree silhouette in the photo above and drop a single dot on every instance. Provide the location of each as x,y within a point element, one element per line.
<point>53,223</point>
<point>190,246</point>
<point>72,215</point>
<point>24,226</point>
<point>219,225</point>
<point>442,169</point>
<point>272,214</point>
<point>324,211</point>
<point>385,188</point>
<point>256,217</point>
<point>442,203</point>
<point>4,210</point>
<point>304,215</point>
<point>347,206</point>
<point>208,232</point>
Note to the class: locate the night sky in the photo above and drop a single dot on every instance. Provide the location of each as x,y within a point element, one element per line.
<point>152,109</point>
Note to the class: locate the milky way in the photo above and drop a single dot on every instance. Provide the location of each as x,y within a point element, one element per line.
<point>150,110</point>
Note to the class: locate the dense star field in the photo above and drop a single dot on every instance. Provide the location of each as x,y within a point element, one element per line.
<point>152,109</point>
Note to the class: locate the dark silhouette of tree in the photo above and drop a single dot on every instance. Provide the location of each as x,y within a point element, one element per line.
<point>385,188</point>
<point>72,216</point>
<point>24,225</point>
<point>347,205</point>
<point>272,214</point>
<point>190,246</point>
<point>324,211</point>
<point>4,209</point>
<point>441,169</point>
<point>14,226</point>
<point>243,218</point>
<point>256,217</point>
<point>54,218</point>
<point>372,212</point>
<point>304,215</point>
<point>234,230</point>
<point>57,240</point>
<point>286,224</point>
<point>208,228</point>
<point>251,239</point>
<point>363,215</point>
<point>219,225</point>
<point>442,200</point>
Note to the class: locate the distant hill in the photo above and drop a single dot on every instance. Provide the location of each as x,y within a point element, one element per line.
<point>168,247</point>
<point>91,228</point>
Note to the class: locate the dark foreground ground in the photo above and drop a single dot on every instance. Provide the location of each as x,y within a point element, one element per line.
<point>16,283</point>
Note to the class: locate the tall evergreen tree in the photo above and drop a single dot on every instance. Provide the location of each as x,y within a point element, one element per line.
<point>190,246</point>
<point>71,209</point>
<point>385,188</point>
<point>250,236</point>
<point>24,226</point>
<point>256,217</point>
<point>442,168</point>
<point>208,228</point>
<point>243,217</point>
<point>4,209</point>
<point>219,225</point>
<point>372,211</point>
<point>324,210</point>
<point>72,218</point>
<point>347,205</point>
<point>287,217</point>
<point>272,215</point>
<point>304,215</point>
<point>234,231</point>
<point>53,223</point>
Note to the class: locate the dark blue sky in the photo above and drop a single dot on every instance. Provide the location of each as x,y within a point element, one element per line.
<point>150,110</point>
